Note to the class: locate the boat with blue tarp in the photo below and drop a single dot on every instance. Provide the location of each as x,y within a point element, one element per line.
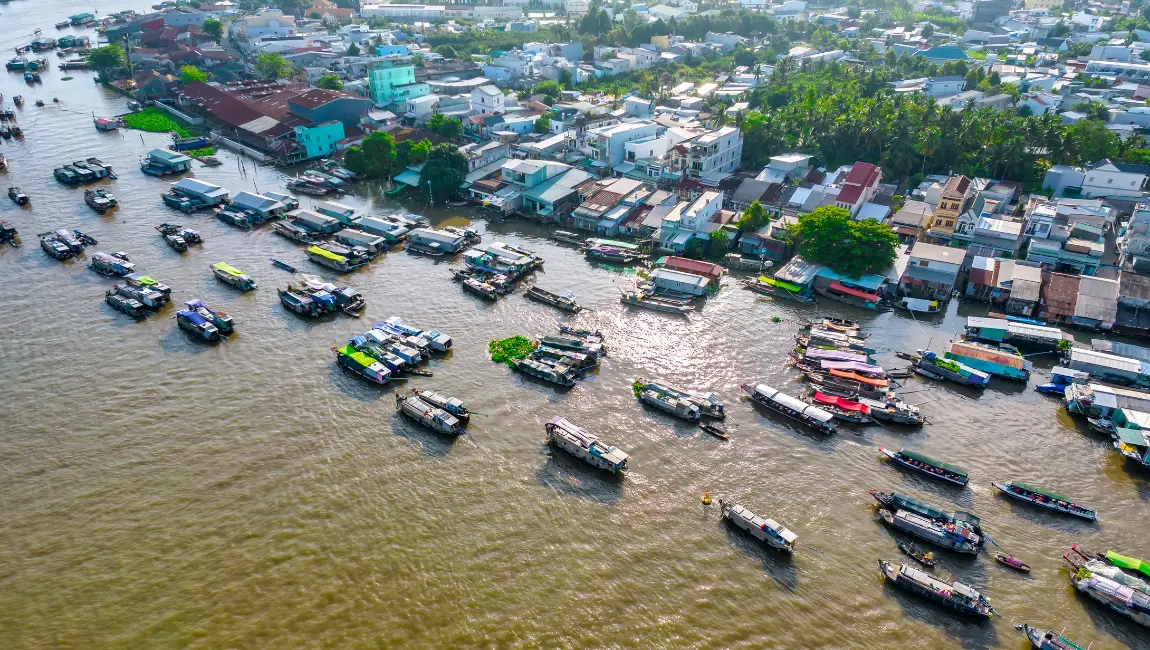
<point>115,264</point>
<point>1060,378</point>
<point>195,315</point>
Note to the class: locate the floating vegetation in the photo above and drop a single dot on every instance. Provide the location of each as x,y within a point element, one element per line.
<point>776,319</point>
<point>201,153</point>
<point>153,121</point>
<point>511,349</point>
<point>637,387</point>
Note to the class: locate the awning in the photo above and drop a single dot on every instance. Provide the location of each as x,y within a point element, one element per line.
<point>779,283</point>
<point>1132,437</point>
<point>598,163</point>
<point>624,167</point>
<point>545,211</point>
<point>878,383</point>
<point>408,177</point>
<point>845,404</point>
<point>839,286</point>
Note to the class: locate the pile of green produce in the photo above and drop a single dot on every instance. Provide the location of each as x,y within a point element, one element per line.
<point>153,121</point>
<point>637,387</point>
<point>511,349</point>
<point>200,153</point>
<point>947,364</point>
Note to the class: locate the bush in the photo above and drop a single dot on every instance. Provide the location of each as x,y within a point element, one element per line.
<point>511,349</point>
<point>153,121</point>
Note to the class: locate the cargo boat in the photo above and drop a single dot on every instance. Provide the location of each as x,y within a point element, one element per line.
<point>588,347</point>
<point>293,232</point>
<point>565,302</point>
<point>300,303</point>
<point>927,465</point>
<point>114,264</point>
<point>767,531</point>
<point>18,195</point>
<point>585,446</point>
<point>965,523</point>
<point>449,404</point>
<point>648,301</point>
<point>429,416</point>
<point>790,407</point>
<point>327,258</point>
<point>362,365</point>
<point>124,304</point>
<point>956,595</point>
<point>438,341</point>
<point>708,403</point>
<point>55,248</point>
<point>218,320</point>
<point>147,297</point>
<point>1109,586</point>
<point>8,234</point>
<point>567,237</point>
<point>479,288</point>
<point>139,280</point>
<point>949,536</point>
<point>233,276</point>
<point>379,352</point>
<point>929,364</point>
<point>998,361</point>
<point>894,411</point>
<point>1044,498</point>
<point>1043,640</point>
<point>561,375</point>
<point>843,409</point>
<point>680,408</point>
<point>777,289</point>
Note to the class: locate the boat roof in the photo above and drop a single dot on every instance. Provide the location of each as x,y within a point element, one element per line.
<point>910,503</point>
<point>193,316</point>
<point>1132,437</point>
<point>1038,490</point>
<point>357,356</point>
<point>223,267</point>
<point>796,404</point>
<point>920,576</point>
<point>923,458</point>
<point>316,250</point>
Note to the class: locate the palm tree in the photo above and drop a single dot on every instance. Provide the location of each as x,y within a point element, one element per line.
<point>928,143</point>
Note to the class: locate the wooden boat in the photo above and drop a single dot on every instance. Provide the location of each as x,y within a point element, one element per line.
<point>300,303</point>
<point>124,304</point>
<point>930,364</point>
<point>284,265</point>
<point>1107,585</point>
<point>221,321</point>
<point>361,365</point>
<point>894,411</point>
<point>585,446</point>
<point>566,302</point>
<point>709,403</point>
<point>1012,562</point>
<point>1043,640</point>
<point>567,237</point>
<point>927,465</point>
<point>449,404</point>
<point>555,374</point>
<point>18,195</point>
<point>768,531</point>
<point>8,234</point>
<point>1045,498</point>
<point>777,289</point>
<point>962,529</point>
<point>842,408</point>
<point>99,200</point>
<point>479,288</point>
<point>956,595</point>
<point>655,304</point>
<point>427,415</point>
<point>925,559</point>
<point>845,387</point>
<point>790,407</point>
<point>680,408</point>
<point>612,254</point>
<point>233,276</point>
<point>938,533</point>
<point>714,430</point>
<point>581,333</point>
<point>115,264</point>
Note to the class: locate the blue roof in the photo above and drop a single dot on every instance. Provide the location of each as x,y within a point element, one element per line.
<point>946,53</point>
<point>871,282</point>
<point>193,316</point>
<point>357,340</point>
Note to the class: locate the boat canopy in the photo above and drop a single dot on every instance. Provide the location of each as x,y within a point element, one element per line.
<point>840,402</point>
<point>912,504</point>
<point>782,531</point>
<point>858,366</point>
<point>193,316</point>
<point>357,356</point>
<point>1132,437</point>
<point>927,460</point>
<point>230,270</point>
<point>790,402</point>
<point>1125,562</point>
<point>858,293</point>
<point>780,284</point>
<point>836,355</point>
<point>879,383</point>
<point>316,250</point>
<point>1045,493</point>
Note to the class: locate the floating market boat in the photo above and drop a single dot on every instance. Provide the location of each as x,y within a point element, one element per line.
<point>565,302</point>
<point>1000,361</point>
<point>585,446</point>
<point>362,365</point>
<point>479,288</point>
<point>777,289</point>
<point>139,280</point>
<point>556,374</point>
<point>149,298</point>
<point>1045,498</point>
<point>346,299</point>
<point>929,364</point>
<point>293,232</point>
<point>55,248</point>
<point>18,195</point>
<point>1043,640</point>
<point>332,260</point>
<point>927,465</point>
<point>1122,593</point>
<point>233,276</point>
<point>1060,378</point>
<point>99,200</point>
<point>793,408</point>
<point>925,559</point>
<point>449,404</point>
<point>178,237</point>
<point>649,301</point>
<point>587,346</point>
<point>115,264</point>
<point>567,237</point>
<point>843,409</point>
<point>768,531</point>
<point>956,595</point>
<point>614,255</point>
<point>437,341</point>
<point>577,361</point>
<point>429,416</point>
<point>715,430</point>
<point>379,352</point>
<point>960,531</point>
<point>1012,562</point>
<point>303,186</point>
<point>680,408</point>
<point>221,321</point>
<point>124,304</point>
<point>893,411</point>
<point>233,217</point>
<point>708,403</point>
<point>843,387</point>
<point>69,239</point>
<point>8,234</point>
<point>301,303</point>
<point>581,333</point>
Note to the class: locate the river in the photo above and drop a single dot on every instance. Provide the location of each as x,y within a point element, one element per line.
<point>158,492</point>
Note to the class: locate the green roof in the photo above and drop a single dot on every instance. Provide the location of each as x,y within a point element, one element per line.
<point>781,284</point>
<point>316,250</point>
<point>357,356</point>
<point>146,280</point>
<point>1045,493</point>
<point>1133,437</point>
<point>223,267</point>
<point>927,460</point>
<point>1127,562</point>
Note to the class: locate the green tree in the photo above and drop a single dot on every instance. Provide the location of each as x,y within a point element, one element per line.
<point>927,30</point>
<point>695,248</point>
<point>543,124</point>
<point>375,157</point>
<point>1090,140</point>
<point>444,126</point>
<point>829,236</point>
<point>418,60</point>
<point>549,89</point>
<point>565,78</point>
<point>272,65</point>
<point>215,28</point>
<point>106,58</point>
<point>753,219</point>
<point>718,242</point>
<point>353,50</point>
<point>1096,111</point>
<point>190,73</point>
<point>330,82</point>
<point>446,51</point>
<point>444,171</point>
<point>853,12</point>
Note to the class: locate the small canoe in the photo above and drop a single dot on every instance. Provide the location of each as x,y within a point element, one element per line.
<point>714,430</point>
<point>1012,562</point>
<point>284,265</point>
<point>925,559</point>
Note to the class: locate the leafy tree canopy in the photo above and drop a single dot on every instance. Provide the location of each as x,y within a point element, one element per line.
<point>444,126</point>
<point>754,218</point>
<point>106,58</point>
<point>444,171</point>
<point>829,236</point>
<point>190,73</point>
<point>330,82</point>
<point>272,65</point>
<point>215,28</point>
<point>375,157</point>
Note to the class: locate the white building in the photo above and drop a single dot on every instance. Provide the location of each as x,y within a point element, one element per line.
<point>1041,103</point>
<point>1131,71</point>
<point>1113,180</point>
<point>269,22</point>
<point>402,13</point>
<point>943,86</point>
<point>576,8</point>
<point>488,99</point>
<point>712,156</point>
<point>608,144</point>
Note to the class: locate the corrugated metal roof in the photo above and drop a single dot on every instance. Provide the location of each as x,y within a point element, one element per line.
<point>1097,299</point>
<point>1061,294</point>
<point>798,271</point>
<point>1084,359</point>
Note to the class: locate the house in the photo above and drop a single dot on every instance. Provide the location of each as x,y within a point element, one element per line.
<point>488,99</point>
<point>267,22</point>
<point>1040,103</point>
<point>911,220</point>
<point>262,207</point>
<point>1025,287</point>
<point>680,282</point>
<point>151,85</point>
<point>785,166</point>
<point>930,271</point>
<point>981,281</point>
<point>698,219</point>
<point>995,238</point>
<point>711,272</point>
<point>943,86</point>
<point>712,156</point>
<point>1059,297</point>
<point>393,82</point>
<point>608,144</point>
<point>162,162</point>
<point>206,193</point>
<point>859,186</point>
<point>943,54</point>
<point>952,201</point>
<point>1097,304</point>
<point>1112,180</point>
<point>604,197</point>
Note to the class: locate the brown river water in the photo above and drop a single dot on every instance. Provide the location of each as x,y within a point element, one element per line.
<point>158,492</point>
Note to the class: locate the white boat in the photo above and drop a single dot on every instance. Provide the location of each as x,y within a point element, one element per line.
<point>769,531</point>
<point>437,341</point>
<point>429,416</point>
<point>585,446</point>
<point>708,403</point>
<point>680,408</point>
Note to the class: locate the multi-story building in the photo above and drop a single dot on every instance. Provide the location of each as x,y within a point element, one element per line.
<point>269,22</point>
<point>859,187</point>
<point>608,145</point>
<point>401,12</point>
<point>392,82</point>
<point>512,65</point>
<point>488,99</point>
<point>951,202</point>
<point>711,156</point>
<point>1042,4</point>
<point>576,8</point>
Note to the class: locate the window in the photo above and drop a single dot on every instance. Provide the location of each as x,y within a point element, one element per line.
<point>923,263</point>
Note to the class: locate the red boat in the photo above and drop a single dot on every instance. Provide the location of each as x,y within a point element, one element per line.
<point>1012,562</point>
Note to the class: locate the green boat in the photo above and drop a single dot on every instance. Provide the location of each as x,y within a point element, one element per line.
<point>1130,563</point>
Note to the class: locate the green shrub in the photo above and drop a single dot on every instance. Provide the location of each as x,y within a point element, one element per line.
<point>153,121</point>
<point>511,349</point>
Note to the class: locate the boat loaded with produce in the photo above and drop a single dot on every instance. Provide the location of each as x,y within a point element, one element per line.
<point>1121,592</point>
<point>708,403</point>
<point>233,276</point>
<point>956,595</point>
<point>361,365</point>
<point>432,417</point>
<point>929,364</point>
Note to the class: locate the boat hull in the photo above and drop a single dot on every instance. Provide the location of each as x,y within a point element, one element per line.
<point>1089,515</point>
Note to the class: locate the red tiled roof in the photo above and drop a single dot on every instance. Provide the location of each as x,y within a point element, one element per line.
<point>862,174</point>
<point>602,200</point>
<point>957,185</point>
<point>1061,294</point>
<point>850,194</point>
<point>697,267</point>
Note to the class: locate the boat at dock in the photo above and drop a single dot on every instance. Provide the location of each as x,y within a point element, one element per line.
<point>745,263</point>
<point>845,410</point>
<point>795,409</point>
<point>124,304</point>
<point>680,408</point>
<point>233,217</point>
<point>844,387</point>
<point>432,417</point>
<point>565,302</point>
<point>708,403</point>
<point>649,301</point>
<point>479,288</point>
<point>777,289</point>
<point>147,297</point>
<point>233,276</point>
<point>925,559</point>
<point>114,264</point>
<point>1000,361</point>
<point>293,232</point>
<point>1118,591</point>
<point>449,404</point>
<point>768,531</point>
<point>954,595</point>
<point>437,341</point>
<point>585,446</point>
<point>362,365</point>
<point>567,237</point>
<point>894,411</point>
<point>556,374</point>
<point>1044,498</point>
<point>1044,640</point>
<point>930,364</point>
<point>99,200</point>
<point>198,315</point>
<point>927,465</point>
<point>960,531</point>
<point>614,255</point>
<point>178,237</point>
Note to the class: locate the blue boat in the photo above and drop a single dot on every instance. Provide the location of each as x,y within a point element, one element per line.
<point>284,265</point>
<point>1060,378</point>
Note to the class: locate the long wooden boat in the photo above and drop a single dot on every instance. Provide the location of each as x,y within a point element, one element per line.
<point>1044,498</point>
<point>449,404</point>
<point>768,531</point>
<point>777,289</point>
<point>427,415</point>
<point>1107,585</point>
<point>1012,562</point>
<point>936,532</point>
<point>1045,640</point>
<point>842,408</point>
<point>790,407</point>
<point>585,446</point>
<point>655,304</point>
<point>566,302</point>
<point>956,595</point>
<point>925,559</point>
<point>709,403</point>
<point>960,519</point>
<point>927,465</point>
